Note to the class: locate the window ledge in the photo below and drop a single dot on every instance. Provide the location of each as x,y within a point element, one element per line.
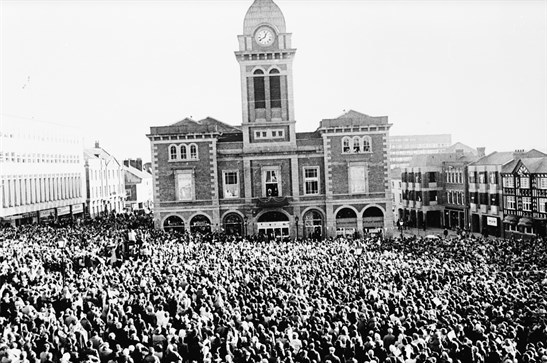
<point>179,160</point>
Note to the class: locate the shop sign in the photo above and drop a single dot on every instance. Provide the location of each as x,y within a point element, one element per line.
<point>492,221</point>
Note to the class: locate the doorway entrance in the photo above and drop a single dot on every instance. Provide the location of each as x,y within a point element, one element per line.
<point>274,226</point>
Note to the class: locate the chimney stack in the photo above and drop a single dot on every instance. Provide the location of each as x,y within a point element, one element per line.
<point>97,145</point>
<point>517,154</point>
<point>481,151</point>
<point>459,153</point>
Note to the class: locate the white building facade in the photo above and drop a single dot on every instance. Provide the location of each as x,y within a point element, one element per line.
<point>104,175</point>
<point>41,171</point>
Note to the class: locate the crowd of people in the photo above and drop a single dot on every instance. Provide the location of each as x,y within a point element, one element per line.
<point>116,290</point>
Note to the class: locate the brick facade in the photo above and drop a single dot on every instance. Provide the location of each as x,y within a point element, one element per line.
<point>262,176</point>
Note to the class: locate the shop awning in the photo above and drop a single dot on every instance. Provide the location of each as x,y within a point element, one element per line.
<point>526,222</point>
<point>511,219</point>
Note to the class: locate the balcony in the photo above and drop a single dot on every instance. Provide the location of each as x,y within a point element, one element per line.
<point>473,207</point>
<point>410,186</point>
<point>404,185</point>
<point>473,187</point>
<point>417,186</point>
<point>494,209</point>
<point>433,202</point>
<point>432,185</point>
<point>411,204</point>
<point>418,204</point>
<point>272,202</point>
<point>493,188</point>
<point>483,208</point>
<point>404,202</point>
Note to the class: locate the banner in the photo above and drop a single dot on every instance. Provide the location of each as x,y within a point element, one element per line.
<point>492,221</point>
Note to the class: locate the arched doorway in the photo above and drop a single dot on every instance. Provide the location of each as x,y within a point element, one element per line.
<point>233,224</point>
<point>373,220</point>
<point>173,224</point>
<point>273,225</point>
<point>346,222</point>
<point>200,224</point>
<point>313,225</point>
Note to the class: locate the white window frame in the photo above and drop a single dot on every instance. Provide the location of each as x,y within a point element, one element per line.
<point>509,202</point>
<point>542,182</point>
<point>310,179</point>
<point>194,156</point>
<point>224,190</point>
<point>524,182</point>
<point>527,204</point>
<point>193,185</point>
<point>277,169</point>
<point>508,181</point>
<point>183,155</point>
<point>367,141</point>
<point>177,153</point>
<point>347,140</point>
<point>542,205</point>
<point>351,183</point>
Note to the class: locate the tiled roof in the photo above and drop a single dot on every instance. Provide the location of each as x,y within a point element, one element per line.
<point>534,165</point>
<point>138,173</point>
<point>495,158</point>
<point>190,126</point>
<point>353,118</point>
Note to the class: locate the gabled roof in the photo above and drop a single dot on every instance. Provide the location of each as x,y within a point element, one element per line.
<point>459,146</point>
<point>353,118</point>
<point>190,126</point>
<point>138,173</point>
<point>439,158</point>
<point>98,153</point>
<point>534,165</point>
<point>504,157</point>
<point>495,158</point>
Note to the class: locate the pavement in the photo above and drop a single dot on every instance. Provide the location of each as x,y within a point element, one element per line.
<point>411,232</point>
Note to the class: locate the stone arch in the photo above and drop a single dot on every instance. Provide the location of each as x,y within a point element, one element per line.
<point>233,223</point>
<point>313,223</point>
<point>200,222</point>
<point>346,221</point>
<point>170,223</point>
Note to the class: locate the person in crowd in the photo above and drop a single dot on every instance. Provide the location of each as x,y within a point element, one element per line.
<point>209,297</point>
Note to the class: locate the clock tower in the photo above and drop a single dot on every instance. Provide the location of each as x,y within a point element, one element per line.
<point>265,58</point>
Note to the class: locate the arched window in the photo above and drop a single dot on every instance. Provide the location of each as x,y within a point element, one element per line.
<point>193,151</point>
<point>356,144</point>
<point>346,147</point>
<point>259,89</point>
<point>172,152</point>
<point>275,89</point>
<point>367,144</point>
<point>183,152</point>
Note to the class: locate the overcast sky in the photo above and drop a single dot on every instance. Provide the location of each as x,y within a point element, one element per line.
<point>473,69</point>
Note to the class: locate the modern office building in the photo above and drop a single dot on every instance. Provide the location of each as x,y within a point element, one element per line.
<point>403,147</point>
<point>42,173</point>
<point>262,177</point>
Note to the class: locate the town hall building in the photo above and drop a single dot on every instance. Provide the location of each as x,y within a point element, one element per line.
<point>262,177</point>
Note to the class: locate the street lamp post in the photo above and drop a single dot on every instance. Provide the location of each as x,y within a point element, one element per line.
<point>296,221</point>
<point>358,253</point>
<point>245,221</point>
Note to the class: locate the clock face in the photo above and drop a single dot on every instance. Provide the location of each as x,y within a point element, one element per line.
<point>264,36</point>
